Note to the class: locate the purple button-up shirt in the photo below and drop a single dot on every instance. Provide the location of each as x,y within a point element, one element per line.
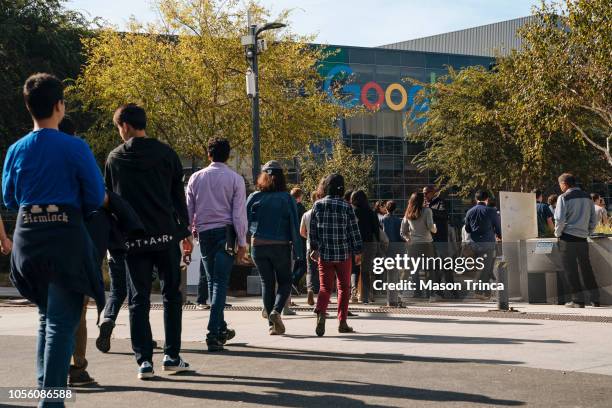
<point>216,197</point>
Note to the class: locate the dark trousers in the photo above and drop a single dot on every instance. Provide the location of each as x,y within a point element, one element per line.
<point>312,276</point>
<point>574,252</point>
<point>300,266</point>
<point>140,274</point>
<point>202,285</point>
<point>218,266</point>
<point>118,284</point>
<point>274,265</point>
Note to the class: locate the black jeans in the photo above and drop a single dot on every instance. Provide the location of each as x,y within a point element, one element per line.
<point>575,251</point>
<point>274,265</point>
<point>202,285</point>
<point>118,284</point>
<point>312,276</point>
<point>300,267</point>
<point>140,272</point>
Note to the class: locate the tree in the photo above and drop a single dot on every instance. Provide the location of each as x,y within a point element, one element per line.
<point>355,168</point>
<point>565,66</point>
<point>188,71</point>
<point>35,36</point>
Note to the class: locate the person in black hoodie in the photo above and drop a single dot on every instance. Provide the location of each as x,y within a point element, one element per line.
<point>148,174</point>
<point>369,229</point>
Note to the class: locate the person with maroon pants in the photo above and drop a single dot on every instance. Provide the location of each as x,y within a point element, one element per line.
<point>334,239</point>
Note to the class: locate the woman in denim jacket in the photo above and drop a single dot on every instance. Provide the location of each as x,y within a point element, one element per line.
<point>274,227</point>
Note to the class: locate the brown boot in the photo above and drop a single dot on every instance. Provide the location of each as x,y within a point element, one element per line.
<point>343,327</point>
<point>311,298</point>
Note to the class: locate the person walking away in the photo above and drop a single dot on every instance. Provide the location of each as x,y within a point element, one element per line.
<point>368,230</point>
<point>148,174</point>
<point>600,209</point>
<point>216,197</point>
<point>417,229</point>
<point>483,224</point>
<point>273,222</point>
<point>53,180</point>
<point>546,226</point>
<point>299,267</point>
<point>391,226</point>
<point>575,220</point>
<point>312,272</point>
<point>334,238</point>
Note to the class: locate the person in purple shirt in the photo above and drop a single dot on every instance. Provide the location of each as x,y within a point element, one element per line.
<point>216,197</point>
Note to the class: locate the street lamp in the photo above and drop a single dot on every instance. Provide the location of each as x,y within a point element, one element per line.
<point>253,46</point>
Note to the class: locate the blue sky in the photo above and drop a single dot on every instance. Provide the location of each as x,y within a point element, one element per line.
<point>351,22</point>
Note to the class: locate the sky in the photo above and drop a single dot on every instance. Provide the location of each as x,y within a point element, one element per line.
<point>366,23</point>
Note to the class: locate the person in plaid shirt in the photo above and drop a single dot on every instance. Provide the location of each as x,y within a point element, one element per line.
<point>334,238</point>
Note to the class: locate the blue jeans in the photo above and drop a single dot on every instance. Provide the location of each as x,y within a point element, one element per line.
<point>59,318</point>
<point>218,266</point>
<point>118,285</point>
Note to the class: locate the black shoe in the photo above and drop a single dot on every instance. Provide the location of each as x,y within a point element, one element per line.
<point>227,335</point>
<point>595,304</point>
<point>228,305</point>
<point>104,337</point>
<point>320,329</point>
<point>78,377</point>
<point>574,305</point>
<point>214,345</point>
<point>351,314</point>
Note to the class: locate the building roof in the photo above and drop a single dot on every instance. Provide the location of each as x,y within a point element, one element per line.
<point>483,41</point>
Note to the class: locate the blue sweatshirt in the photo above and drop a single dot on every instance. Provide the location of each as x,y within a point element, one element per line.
<point>482,223</point>
<point>50,167</point>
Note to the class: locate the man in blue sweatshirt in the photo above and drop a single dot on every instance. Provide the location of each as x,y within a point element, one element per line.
<point>53,180</point>
<point>575,220</point>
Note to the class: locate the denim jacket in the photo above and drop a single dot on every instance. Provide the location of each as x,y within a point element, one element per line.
<point>273,216</point>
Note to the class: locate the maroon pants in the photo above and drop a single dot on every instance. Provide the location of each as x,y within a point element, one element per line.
<point>327,272</point>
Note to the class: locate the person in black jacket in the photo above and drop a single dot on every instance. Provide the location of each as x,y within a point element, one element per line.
<point>148,174</point>
<point>369,230</point>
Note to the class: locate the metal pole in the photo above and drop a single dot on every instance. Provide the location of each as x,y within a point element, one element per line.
<point>255,109</point>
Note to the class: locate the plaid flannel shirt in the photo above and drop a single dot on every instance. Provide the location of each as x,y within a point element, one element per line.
<point>333,230</point>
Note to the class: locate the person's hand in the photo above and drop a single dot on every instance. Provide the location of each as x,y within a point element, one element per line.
<point>241,255</point>
<point>6,246</point>
<point>358,259</point>
<point>314,255</point>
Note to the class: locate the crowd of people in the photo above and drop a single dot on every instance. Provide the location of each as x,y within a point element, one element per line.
<point>140,216</point>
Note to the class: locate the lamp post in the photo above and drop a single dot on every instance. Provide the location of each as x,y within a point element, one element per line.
<point>253,46</point>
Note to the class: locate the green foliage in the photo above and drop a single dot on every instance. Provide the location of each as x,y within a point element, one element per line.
<point>35,36</point>
<point>188,71</point>
<point>355,168</point>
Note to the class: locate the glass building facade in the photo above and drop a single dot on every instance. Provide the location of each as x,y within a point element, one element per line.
<point>377,82</point>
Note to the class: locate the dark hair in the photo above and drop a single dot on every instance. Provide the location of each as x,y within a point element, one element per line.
<point>347,196</point>
<point>482,195</point>
<point>378,205</point>
<point>359,199</point>
<point>552,199</point>
<point>415,206</point>
<point>568,178</point>
<point>272,181</point>
<point>67,126</point>
<point>41,92</point>
<point>296,192</point>
<point>132,114</point>
<point>537,192</point>
<point>332,185</point>
<point>595,197</point>
<point>219,149</point>
<point>390,206</point>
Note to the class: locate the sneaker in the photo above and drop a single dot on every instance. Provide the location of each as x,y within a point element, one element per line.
<point>310,299</point>
<point>176,365</point>
<point>351,314</point>
<point>78,377</point>
<point>343,327</point>
<point>288,311</point>
<point>227,335</point>
<point>214,345</point>
<point>277,322</point>
<point>202,306</point>
<point>145,371</point>
<point>595,304</point>
<point>574,305</point>
<point>103,342</point>
<point>273,332</point>
<point>320,329</point>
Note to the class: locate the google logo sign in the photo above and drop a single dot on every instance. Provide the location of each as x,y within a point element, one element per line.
<point>362,94</point>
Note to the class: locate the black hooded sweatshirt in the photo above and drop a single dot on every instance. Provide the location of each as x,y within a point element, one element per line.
<point>148,174</point>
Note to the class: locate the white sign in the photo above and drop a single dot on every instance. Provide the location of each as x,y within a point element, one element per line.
<point>544,247</point>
